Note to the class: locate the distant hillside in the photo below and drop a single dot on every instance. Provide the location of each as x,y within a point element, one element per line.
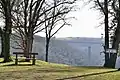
<point>72,51</point>
<point>91,48</point>
<point>59,51</point>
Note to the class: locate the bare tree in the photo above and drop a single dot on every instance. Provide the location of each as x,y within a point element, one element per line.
<point>29,19</point>
<point>116,31</point>
<point>6,7</point>
<point>111,11</point>
<point>103,7</point>
<point>27,14</point>
<point>58,21</point>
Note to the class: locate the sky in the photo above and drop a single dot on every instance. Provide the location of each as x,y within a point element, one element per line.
<point>85,25</point>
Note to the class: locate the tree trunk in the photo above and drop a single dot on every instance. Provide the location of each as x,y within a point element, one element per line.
<point>7,31</point>
<point>113,57</point>
<point>47,48</point>
<point>28,48</point>
<point>106,34</point>
<point>115,45</point>
<point>116,40</point>
<point>107,60</point>
<point>6,49</point>
<point>2,45</point>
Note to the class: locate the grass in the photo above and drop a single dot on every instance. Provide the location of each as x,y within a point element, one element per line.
<point>50,71</point>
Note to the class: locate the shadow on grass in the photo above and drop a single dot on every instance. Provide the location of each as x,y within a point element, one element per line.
<point>87,75</point>
<point>5,62</point>
<point>18,65</point>
<point>2,62</point>
<point>53,70</point>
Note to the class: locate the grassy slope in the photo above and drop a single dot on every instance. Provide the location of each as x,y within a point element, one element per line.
<point>51,71</point>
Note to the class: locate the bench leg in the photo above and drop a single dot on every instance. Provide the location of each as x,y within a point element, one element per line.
<point>33,61</point>
<point>16,60</point>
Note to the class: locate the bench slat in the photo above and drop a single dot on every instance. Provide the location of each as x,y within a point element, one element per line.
<point>23,53</point>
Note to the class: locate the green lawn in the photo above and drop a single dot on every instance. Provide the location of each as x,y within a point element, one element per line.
<point>51,71</point>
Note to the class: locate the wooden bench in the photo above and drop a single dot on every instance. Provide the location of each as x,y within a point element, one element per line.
<point>22,53</point>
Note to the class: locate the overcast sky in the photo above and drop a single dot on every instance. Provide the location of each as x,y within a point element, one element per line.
<point>85,25</point>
